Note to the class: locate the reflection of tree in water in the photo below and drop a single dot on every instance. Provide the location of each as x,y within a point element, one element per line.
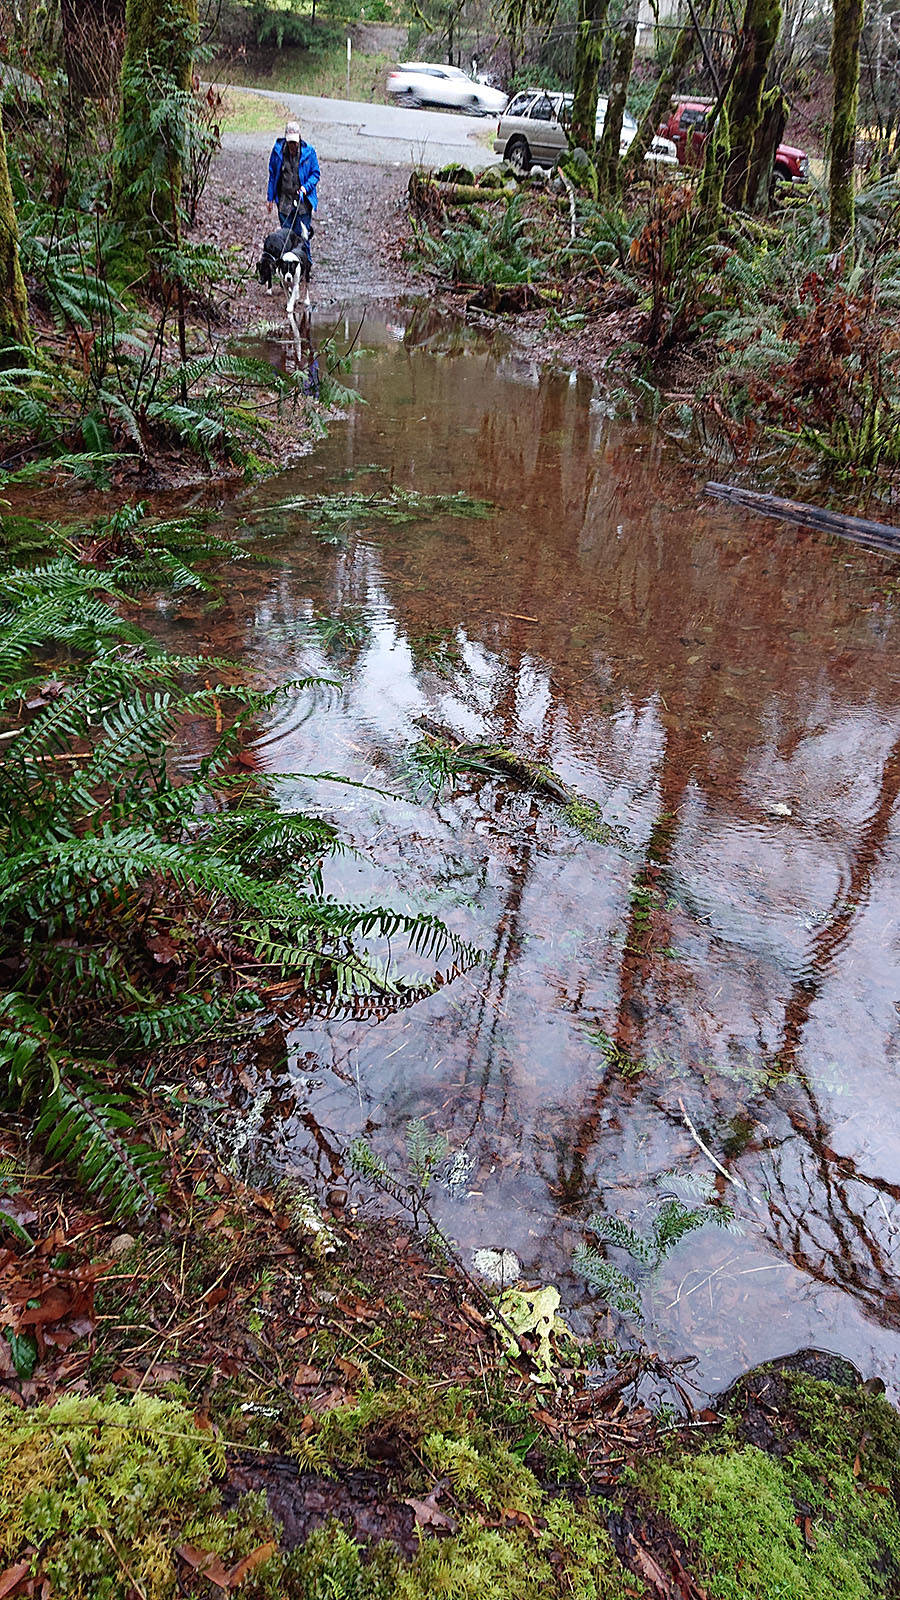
<point>826,1214</point>
<point>658,607</point>
<point>830,1217</point>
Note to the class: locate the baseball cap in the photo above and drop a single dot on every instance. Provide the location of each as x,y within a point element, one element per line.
<point>292,132</point>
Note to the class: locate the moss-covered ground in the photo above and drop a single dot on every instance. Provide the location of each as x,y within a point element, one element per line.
<point>234,1402</point>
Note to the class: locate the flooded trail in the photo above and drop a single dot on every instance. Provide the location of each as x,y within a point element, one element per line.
<point>720,977</point>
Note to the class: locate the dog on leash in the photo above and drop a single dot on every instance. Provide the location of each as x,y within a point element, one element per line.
<point>286,260</point>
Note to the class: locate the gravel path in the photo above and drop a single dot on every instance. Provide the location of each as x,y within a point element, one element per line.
<point>358,231</point>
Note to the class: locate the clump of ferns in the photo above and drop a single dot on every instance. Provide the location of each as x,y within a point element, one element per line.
<point>138,909</point>
<point>118,389</point>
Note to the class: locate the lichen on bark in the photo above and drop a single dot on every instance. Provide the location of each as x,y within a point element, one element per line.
<point>608,175</point>
<point>682,51</point>
<point>759,34</point>
<point>712,181</point>
<point>588,53</point>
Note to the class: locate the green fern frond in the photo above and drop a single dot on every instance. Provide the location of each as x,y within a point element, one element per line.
<point>617,1289</point>
<point>425,1151</point>
<point>620,1234</point>
<point>82,1124</point>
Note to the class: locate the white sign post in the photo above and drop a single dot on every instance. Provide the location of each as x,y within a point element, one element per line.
<point>349,49</point>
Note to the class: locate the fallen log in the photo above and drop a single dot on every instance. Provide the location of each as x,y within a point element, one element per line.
<point>470,194</point>
<point>872,535</point>
<point>496,760</point>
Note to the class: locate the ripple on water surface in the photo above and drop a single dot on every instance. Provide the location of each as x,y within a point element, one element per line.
<point>724,969</point>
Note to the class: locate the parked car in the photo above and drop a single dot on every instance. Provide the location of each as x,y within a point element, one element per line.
<point>532,131</point>
<point>688,125</point>
<point>420,83</point>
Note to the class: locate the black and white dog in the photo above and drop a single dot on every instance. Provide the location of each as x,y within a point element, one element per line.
<point>286,260</point>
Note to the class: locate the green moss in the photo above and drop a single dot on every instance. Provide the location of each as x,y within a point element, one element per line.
<point>13,300</point>
<point>816,1519</point>
<point>570,1556</point>
<point>759,33</point>
<point>739,1508</point>
<point>106,1490</point>
<point>403,1429</point>
<point>844,64</point>
<point>331,1566</point>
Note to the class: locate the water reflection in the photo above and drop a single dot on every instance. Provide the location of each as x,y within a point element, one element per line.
<point>727,692</point>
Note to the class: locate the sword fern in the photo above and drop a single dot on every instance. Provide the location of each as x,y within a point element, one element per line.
<point>143,905</point>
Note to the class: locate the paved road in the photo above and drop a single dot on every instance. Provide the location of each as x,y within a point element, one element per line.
<point>347,130</point>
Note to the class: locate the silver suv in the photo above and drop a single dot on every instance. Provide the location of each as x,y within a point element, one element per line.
<point>532,131</point>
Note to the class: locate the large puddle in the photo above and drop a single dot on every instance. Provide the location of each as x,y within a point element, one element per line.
<point>724,973</point>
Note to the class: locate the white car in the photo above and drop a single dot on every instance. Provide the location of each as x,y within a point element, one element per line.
<point>532,131</point>
<point>422,83</point>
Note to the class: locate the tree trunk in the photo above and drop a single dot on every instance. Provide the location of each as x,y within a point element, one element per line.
<point>715,165</point>
<point>13,299</point>
<point>93,37</point>
<point>848,20</point>
<point>682,51</point>
<point>588,53</point>
<point>150,151</point>
<point>611,138</point>
<point>759,35</point>
<point>769,135</point>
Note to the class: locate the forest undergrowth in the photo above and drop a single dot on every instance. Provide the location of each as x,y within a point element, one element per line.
<point>753,345</point>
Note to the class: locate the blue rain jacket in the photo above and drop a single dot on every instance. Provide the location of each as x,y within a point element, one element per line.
<point>309,171</point>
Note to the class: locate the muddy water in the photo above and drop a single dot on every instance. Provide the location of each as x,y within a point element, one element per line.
<point>724,971</point>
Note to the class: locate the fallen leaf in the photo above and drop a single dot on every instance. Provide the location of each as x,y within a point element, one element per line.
<point>649,1568</point>
<point>306,1374</point>
<point>206,1562</point>
<point>162,1372</point>
<point>331,1400</point>
<point>128,1377</point>
<point>12,1577</point>
<point>255,1559</point>
<point>164,949</point>
<point>428,1515</point>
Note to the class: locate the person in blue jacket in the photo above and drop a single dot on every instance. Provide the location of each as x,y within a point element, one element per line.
<point>293,177</point>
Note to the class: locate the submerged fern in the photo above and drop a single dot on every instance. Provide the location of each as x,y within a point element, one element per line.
<point>673,1222</point>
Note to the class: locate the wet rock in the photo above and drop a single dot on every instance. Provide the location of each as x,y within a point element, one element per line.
<point>501,1267</point>
<point>761,1401</point>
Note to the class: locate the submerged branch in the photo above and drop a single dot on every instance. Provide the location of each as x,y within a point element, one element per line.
<point>442,754</point>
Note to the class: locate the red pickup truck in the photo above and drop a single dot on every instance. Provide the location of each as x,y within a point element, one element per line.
<point>688,125</point>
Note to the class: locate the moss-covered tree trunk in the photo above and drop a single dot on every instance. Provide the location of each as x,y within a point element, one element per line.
<point>13,299</point>
<point>769,135</point>
<point>154,123</point>
<point>588,53</point>
<point>611,138</point>
<point>682,52</point>
<point>848,20</point>
<point>759,35</point>
<point>715,167</point>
